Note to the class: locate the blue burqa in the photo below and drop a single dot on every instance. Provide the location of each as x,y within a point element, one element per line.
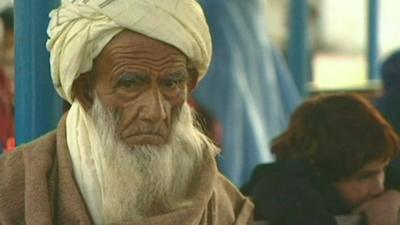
<point>248,87</point>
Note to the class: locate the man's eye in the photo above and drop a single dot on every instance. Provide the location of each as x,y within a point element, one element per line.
<point>173,81</point>
<point>131,80</point>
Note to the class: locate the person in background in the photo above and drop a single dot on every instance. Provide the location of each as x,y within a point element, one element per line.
<point>388,102</point>
<point>7,118</point>
<point>330,161</point>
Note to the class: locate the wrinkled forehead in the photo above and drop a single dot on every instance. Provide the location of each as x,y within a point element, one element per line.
<point>129,50</point>
<point>135,43</point>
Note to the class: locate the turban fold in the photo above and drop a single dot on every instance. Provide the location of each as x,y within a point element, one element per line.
<point>80,29</point>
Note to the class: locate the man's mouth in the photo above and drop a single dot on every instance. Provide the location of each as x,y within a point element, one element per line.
<point>145,139</point>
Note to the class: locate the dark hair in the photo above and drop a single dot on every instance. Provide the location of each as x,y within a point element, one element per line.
<point>338,134</point>
<point>7,15</point>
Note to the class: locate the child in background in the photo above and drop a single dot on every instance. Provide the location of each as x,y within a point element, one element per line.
<point>330,161</point>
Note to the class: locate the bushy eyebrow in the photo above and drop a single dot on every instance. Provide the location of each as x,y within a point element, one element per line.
<point>140,75</point>
<point>180,73</point>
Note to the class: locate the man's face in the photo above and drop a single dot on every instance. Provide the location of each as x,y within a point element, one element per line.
<point>145,82</point>
<point>365,184</point>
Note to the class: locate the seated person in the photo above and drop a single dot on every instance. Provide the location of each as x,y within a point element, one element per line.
<point>387,103</point>
<point>330,161</point>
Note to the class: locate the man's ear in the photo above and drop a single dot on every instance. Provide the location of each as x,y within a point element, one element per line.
<point>83,90</point>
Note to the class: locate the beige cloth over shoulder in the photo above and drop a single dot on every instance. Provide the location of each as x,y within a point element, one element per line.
<point>37,186</point>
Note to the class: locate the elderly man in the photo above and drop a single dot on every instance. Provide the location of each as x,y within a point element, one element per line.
<point>127,152</point>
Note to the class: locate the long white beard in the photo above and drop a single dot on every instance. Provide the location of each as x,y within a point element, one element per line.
<point>147,180</point>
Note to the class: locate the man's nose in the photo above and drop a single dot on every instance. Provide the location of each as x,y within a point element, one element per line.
<point>155,109</point>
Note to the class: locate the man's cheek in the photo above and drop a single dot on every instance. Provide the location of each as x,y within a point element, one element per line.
<point>177,98</point>
<point>124,117</point>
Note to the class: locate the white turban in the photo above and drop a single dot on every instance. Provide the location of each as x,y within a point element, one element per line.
<point>80,29</point>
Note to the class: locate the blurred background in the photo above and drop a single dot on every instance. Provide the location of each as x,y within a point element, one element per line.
<point>269,55</point>
<point>338,38</point>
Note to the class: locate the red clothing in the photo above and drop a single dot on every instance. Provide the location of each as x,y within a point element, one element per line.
<point>7,120</point>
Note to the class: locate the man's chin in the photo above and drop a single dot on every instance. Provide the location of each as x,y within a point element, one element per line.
<point>145,140</point>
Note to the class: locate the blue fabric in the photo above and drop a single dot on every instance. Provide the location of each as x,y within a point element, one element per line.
<point>387,104</point>
<point>248,87</point>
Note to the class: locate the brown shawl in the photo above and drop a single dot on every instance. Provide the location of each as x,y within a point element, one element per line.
<point>37,187</point>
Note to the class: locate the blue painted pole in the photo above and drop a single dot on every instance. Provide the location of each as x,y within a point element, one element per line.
<point>298,52</point>
<point>38,108</point>
<point>373,40</point>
